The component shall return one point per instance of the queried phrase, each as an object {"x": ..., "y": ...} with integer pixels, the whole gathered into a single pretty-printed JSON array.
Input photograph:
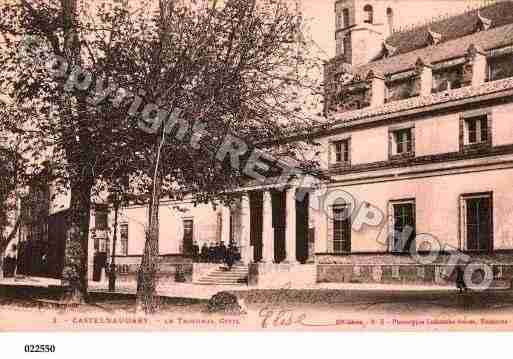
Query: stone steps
[{"x": 238, "y": 275}]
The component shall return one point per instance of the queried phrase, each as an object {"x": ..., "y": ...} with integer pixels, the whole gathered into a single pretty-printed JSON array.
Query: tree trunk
[
  {"x": 147, "y": 300},
  {"x": 74, "y": 277},
  {"x": 4, "y": 243}
]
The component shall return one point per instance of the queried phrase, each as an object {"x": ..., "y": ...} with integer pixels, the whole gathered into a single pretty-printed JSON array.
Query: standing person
[
  {"x": 230, "y": 256},
  {"x": 211, "y": 253},
  {"x": 460, "y": 279},
  {"x": 195, "y": 251},
  {"x": 204, "y": 252},
  {"x": 217, "y": 257},
  {"x": 222, "y": 252},
  {"x": 10, "y": 262}
]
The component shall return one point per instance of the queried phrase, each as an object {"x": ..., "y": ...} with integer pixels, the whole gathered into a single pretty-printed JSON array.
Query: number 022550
[{"x": 39, "y": 348}]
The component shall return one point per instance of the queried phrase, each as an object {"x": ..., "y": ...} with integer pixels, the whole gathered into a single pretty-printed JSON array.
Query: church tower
[{"x": 361, "y": 26}]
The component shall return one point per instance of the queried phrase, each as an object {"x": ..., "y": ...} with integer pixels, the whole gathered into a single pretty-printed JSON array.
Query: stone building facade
[
  {"x": 429, "y": 146},
  {"x": 420, "y": 132},
  {"x": 417, "y": 156}
]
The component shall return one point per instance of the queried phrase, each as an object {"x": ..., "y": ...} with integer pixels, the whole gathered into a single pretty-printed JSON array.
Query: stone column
[
  {"x": 245, "y": 250},
  {"x": 321, "y": 222},
  {"x": 267, "y": 229},
  {"x": 225, "y": 224},
  {"x": 290, "y": 226}
]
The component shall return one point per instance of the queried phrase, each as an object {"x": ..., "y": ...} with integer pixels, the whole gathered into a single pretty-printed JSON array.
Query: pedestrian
[
  {"x": 195, "y": 251},
  {"x": 204, "y": 252},
  {"x": 10, "y": 262},
  {"x": 222, "y": 252},
  {"x": 460, "y": 279},
  {"x": 230, "y": 257},
  {"x": 217, "y": 252},
  {"x": 211, "y": 253}
]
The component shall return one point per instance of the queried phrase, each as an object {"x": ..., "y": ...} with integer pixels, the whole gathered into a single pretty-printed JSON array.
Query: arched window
[
  {"x": 345, "y": 16},
  {"x": 369, "y": 14},
  {"x": 390, "y": 19}
]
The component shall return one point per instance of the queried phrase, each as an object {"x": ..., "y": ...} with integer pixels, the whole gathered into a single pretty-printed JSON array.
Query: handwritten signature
[{"x": 279, "y": 318}]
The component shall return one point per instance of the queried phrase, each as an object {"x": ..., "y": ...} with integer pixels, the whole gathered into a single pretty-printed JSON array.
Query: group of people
[{"x": 216, "y": 253}]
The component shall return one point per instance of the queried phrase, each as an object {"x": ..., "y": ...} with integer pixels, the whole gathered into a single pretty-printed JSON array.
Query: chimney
[
  {"x": 376, "y": 82},
  {"x": 424, "y": 81}
]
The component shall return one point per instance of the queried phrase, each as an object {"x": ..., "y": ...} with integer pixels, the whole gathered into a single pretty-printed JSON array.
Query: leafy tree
[
  {"x": 226, "y": 79},
  {"x": 178, "y": 96}
]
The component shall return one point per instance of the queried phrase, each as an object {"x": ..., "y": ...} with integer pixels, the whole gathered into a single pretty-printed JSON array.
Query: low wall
[
  {"x": 271, "y": 275},
  {"x": 171, "y": 269},
  {"x": 396, "y": 269}
]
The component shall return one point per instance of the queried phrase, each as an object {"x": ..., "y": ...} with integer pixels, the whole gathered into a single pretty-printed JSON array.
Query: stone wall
[
  {"x": 172, "y": 269},
  {"x": 401, "y": 269},
  {"x": 270, "y": 275}
]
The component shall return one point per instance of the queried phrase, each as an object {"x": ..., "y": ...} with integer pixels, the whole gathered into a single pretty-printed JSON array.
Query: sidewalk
[{"x": 189, "y": 290}]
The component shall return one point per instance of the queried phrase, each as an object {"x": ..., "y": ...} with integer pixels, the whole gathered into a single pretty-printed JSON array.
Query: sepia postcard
[{"x": 256, "y": 165}]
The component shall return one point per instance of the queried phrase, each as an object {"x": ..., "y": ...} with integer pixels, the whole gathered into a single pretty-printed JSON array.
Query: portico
[{"x": 270, "y": 225}]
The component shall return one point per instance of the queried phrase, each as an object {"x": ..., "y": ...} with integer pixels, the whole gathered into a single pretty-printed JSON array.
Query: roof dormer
[
  {"x": 483, "y": 23},
  {"x": 389, "y": 50},
  {"x": 434, "y": 37}
]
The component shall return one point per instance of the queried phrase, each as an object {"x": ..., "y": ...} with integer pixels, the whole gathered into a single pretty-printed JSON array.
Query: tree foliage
[{"x": 236, "y": 70}]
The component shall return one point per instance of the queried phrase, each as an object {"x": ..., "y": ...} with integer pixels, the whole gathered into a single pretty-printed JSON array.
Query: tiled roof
[
  {"x": 458, "y": 33},
  {"x": 452, "y": 28},
  {"x": 486, "y": 40},
  {"x": 488, "y": 88}
]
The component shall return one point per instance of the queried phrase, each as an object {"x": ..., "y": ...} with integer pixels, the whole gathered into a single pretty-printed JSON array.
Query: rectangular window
[
  {"x": 345, "y": 13},
  {"x": 477, "y": 222},
  {"x": 341, "y": 152},
  {"x": 403, "y": 226},
  {"x": 101, "y": 218},
  {"x": 339, "y": 23},
  {"x": 402, "y": 142},
  {"x": 188, "y": 228},
  {"x": 476, "y": 130},
  {"x": 500, "y": 67},
  {"x": 341, "y": 229},
  {"x": 400, "y": 89},
  {"x": 123, "y": 236}
]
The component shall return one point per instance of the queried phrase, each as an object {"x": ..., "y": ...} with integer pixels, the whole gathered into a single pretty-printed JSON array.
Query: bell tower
[{"x": 361, "y": 26}]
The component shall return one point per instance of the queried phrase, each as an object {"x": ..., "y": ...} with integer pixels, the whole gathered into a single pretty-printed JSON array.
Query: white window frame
[
  {"x": 479, "y": 128},
  {"x": 332, "y": 160},
  {"x": 395, "y": 142}
]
